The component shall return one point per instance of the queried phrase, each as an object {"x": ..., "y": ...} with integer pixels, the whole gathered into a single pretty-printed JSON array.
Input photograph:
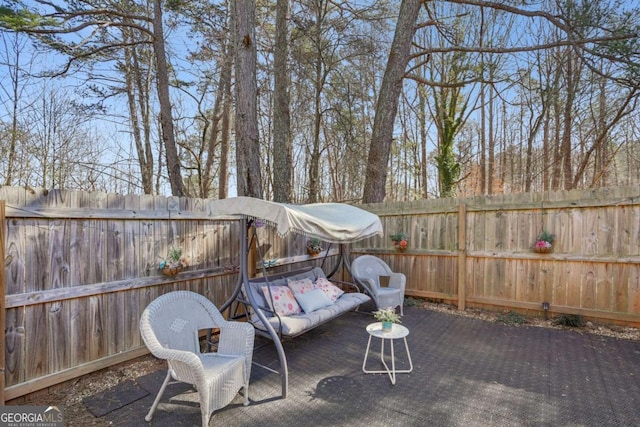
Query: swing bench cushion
[{"x": 315, "y": 310}]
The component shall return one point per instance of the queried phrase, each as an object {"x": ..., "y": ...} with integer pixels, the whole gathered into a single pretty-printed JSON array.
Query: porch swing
[{"x": 334, "y": 223}]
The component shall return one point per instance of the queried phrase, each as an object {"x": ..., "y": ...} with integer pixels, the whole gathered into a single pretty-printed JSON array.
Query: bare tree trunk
[
  {"x": 422, "y": 116},
  {"x": 320, "y": 76},
  {"x": 528, "y": 161},
  {"x": 217, "y": 117},
  {"x": 282, "y": 150},
  {"x": 556, "y": 165},
  {"x": 139, "y": 114},
  {"x": 15, "y": 98},
  {"x": 483, "y": 117},
  {"x": 166, "y": 119},
  {"x": 601, "y": 147},
  {"x": 387, "y": 106},
  {"x": 491, "y": 140},
  {"x": 534, "y": 126},
  {"x": 314, "y": 159},
  {"x": 225, "y": 143},
  {"x": 247, "y": 144},
  {"x": 502, "y": 167},
  {"x": 567, "y": 121},
  {"x": 552, "y": 128},
  {"x": 483, "y": 141},
  {"x": 546, "y": 163},
  {"x": 158, "y": 177}
]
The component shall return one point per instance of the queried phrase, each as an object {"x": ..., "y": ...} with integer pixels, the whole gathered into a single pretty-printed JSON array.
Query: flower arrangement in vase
[
  {"x": 544, "y": 243},
  {"x": 314, "y": 246},
  {"x": 399, "y": 240},
  {"x": 387, "y": 316},
  {"x": 174, "y": 263}
]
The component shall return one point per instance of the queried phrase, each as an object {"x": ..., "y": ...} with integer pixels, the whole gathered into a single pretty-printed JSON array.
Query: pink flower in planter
[{"x": 542, "y": 244}]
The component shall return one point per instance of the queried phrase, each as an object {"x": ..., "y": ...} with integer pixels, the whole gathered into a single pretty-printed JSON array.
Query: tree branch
[{"x": 519, "y": 49}]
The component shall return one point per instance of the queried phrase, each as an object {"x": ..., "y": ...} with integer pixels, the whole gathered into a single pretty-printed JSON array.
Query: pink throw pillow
[
  {"x": 332, "y": 291},
  {"x": 301, "y": 286},
  {"x": 284, "y": 303}
]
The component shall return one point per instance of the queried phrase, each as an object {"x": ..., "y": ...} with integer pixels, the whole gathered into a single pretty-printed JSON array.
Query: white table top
[{"x": 397, "y": 331}]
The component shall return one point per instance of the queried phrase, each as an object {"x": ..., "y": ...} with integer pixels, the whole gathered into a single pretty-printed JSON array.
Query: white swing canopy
[{"x": 330, "y": 222}]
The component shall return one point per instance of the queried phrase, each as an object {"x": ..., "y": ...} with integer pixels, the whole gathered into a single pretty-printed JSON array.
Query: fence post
[
  {"x": 3, "y": 224},
  {"x": 462, "y": 255}
]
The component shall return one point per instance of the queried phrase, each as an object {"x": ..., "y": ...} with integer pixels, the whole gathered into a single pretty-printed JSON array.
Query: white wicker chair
[
  {"x": 169, "y": 327},
  {"x": 367, "y": 269}
]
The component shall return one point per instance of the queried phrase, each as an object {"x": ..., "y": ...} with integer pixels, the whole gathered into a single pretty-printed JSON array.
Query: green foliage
[
  {"x": 314, "y": 245},
  {"x": 174, "y": 254},
  {"x": 449, "y": 169},
  {"x": 413, "y": 302},
  {"x": 23, "y": 19},
  {"x": 511, "y": 318},
  {"x": 545, "y": 236},
  {"x": 619, "y": 30},
  {"x": 396, "y": 237},
  {"x": 451, "y": 107},
  {"x": 570, "y": 320},
  {"x": 387, "y": 315}
]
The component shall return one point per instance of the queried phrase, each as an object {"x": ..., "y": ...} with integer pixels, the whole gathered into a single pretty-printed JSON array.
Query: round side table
[{"x": 397, "y": 332}]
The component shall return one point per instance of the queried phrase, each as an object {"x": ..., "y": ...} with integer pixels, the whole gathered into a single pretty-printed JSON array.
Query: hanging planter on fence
[
  {"x": 543, "y": 250},
  {"x": 171, "y": 271},
  {"x": 544, "y": 243},
  {"x": 400, "y": 241},
  {"x": 314, "y": 246},
  {"x": 174, "y": 263}
]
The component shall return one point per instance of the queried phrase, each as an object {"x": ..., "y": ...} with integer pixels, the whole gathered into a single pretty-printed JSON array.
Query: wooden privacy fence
[
  {"x": 478, "y": 251},
  {"x": 81, "y": 267}
]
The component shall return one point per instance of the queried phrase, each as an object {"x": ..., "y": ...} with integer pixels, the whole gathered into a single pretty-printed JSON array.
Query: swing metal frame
[{"x": 342, "y": 236}]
